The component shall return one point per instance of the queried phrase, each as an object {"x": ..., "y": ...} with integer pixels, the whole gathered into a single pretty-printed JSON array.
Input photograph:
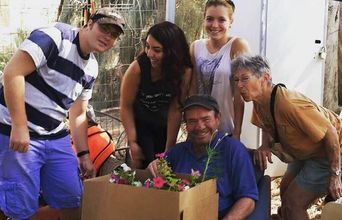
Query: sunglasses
[{"x": 109, "y": 29}]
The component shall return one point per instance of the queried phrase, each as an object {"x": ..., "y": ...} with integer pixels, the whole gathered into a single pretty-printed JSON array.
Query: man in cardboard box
[{"x": 231, "y": 163}]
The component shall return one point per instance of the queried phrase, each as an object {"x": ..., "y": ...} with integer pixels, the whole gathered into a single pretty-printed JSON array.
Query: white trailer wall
[{"x": 291, "y": 34}]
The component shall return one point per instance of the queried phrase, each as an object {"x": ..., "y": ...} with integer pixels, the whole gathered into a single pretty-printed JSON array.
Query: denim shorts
[
  {"x": 312, "y": 174},
  {"x": 49, "y": 167}
]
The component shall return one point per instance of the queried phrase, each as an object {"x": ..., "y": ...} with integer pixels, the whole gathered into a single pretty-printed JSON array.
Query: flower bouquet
[
  {"x": 166, "y": 180},
  {"x": 188, "y": 197}
]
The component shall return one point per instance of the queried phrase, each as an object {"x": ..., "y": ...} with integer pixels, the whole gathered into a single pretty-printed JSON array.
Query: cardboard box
[
  {"x": 332, "y": 211},
  {"x": 103, "y": 200}
]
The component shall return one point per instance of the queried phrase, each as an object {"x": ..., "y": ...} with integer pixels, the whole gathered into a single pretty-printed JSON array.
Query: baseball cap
[
  {"x": 205, "y": 101},
  {"x": 109, "y": 15}
]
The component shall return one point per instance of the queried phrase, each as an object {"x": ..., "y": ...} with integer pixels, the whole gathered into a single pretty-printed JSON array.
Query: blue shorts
[
  {"x": 311, "y": 174},
  {"x": 49, "y": 167}
]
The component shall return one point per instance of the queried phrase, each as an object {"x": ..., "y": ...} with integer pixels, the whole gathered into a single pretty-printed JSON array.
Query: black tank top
[{"x": 153, "y": 98}]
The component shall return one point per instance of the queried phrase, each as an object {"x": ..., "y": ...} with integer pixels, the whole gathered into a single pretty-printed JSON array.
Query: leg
[
  {"x": 292, "y": 170},
  {"x": 61, "y": 185},
  {"x": 20, "y": 179},
  {"x": 309, "y": 184},
  {"x": 71, "y": 214},
  {"x": 145, "y": 141},
  {"x": 160, "y": 135},
  {"x": 46, "y": 213},
  {"x": 295, "y": 201}
]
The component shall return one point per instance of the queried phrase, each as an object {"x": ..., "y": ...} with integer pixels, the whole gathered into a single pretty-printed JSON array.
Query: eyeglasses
[
  {"x": 243, "y": 79},
  {"x": 109, "y": 29}
]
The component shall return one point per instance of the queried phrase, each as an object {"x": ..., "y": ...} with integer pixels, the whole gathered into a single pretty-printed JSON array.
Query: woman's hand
[
  {"x": 136, "y": 155},
  {"x": 261, "y": 156},
  {"x": 152, "y": 167}
]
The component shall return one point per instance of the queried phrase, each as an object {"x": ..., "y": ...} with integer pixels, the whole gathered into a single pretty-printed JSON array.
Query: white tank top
[{"x": 213, "y": 78}]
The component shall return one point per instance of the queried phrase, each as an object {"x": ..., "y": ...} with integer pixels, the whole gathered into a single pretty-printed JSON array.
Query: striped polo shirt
[{"x": 62, "y": 75}]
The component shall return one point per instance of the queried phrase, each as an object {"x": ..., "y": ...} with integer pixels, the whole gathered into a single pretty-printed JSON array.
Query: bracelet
[{"x": 82, "y": 153}]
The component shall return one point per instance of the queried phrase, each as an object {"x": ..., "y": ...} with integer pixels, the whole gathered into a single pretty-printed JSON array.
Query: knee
[
  {"x": 17, "y": 201},
  {"x": 291, "y": 201}
]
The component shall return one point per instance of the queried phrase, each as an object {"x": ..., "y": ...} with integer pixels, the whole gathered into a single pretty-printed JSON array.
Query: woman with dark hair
[{"x": 152, "y": 90}]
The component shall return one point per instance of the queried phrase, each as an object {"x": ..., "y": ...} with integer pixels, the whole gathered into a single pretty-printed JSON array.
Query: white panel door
[
  {"x": 247, "y": 24},
  {"x": 295, "y": 35}
]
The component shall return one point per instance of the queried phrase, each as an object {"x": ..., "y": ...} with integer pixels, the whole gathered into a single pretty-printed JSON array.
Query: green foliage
[
  {"x": 212, "y": 154},
  {"x": 166, "y": 179},
  {"x": 189, "y": 17},
  {"x": 21, "y": 36},
  {"x": 5, "y": 55},
  {"x": 8, "y": 51},
  {"x": 171, "y": 181}
]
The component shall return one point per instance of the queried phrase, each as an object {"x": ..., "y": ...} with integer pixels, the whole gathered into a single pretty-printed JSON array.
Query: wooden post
[
  {"x": 340, "y": 59},
  {"x": 330, "y": 96}
]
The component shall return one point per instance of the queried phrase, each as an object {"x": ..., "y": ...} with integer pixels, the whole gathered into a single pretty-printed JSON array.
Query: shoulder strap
[
  {"x": 145, "y": 68},
  {"x": 273, "y": 94}
]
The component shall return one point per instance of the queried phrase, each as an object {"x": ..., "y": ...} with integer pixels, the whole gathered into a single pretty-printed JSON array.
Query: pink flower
[
  {"x": 161, "y": 155},
  {"x": 195, "y": 173},
  {"x": 123, "y": 181},
  {"x": 115, "y": 178},
  {"x": 147, "y": 183},
  {"x": 185, "y": 182},
  {"x": 180, "y": 187},
  {"x": 158, "y": 182}
]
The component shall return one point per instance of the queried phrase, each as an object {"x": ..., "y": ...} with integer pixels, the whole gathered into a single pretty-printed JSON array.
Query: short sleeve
[
  {"x": 243, "y": 177},
  {"x": 309, "y": 119},
  {"x": 42, "y": 45}
]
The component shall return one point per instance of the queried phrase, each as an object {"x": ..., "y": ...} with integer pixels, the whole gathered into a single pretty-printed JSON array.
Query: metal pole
[
  {"x": 263, "y": 37},
  {"x": 170, "y": 14}
]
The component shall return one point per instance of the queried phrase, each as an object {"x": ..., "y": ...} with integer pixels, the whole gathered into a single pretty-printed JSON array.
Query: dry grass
[{"x": 314, "y": 211}]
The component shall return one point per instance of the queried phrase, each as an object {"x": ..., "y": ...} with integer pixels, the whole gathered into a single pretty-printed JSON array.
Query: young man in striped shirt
[{"x": 51, "y": 74}]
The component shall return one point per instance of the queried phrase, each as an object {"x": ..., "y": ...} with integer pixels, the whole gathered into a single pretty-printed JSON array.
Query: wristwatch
[{"x": 336, "y": 172}]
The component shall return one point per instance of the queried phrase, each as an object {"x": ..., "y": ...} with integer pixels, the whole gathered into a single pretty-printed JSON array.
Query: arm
[
  {"x": 20, "y": 65},
  {"x": 243, "y": 182},
  {"x": 332, "y": 147},
  {"x": 175, "y": 114},
  {"x": 241, "y": 209},
  {"x": 128, "y": 92},
  {"x": 239, "y": 109},
  {"x": 263, "y": 153},
  {"x": 152, "y": 167},
  {"x": 173, "y": 123},
  {"x": 78, "y": 128},
  {"x": 193, "y": 82},
  {"x": 239, "y": 46}
]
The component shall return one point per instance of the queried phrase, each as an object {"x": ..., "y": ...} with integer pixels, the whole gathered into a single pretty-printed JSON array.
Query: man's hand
[
  {"x": 87, "y": 168},
  {"x": 152, "y": 167},
  {"x": 261, "y": 156},
  {"x": 19, "y": 139},
  {"x": 335, "y": 187},
  {"x": 136, "y": 155}
]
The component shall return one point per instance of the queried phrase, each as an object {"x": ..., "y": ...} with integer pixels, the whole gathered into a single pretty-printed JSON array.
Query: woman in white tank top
[{"x": 212, "y": 57}]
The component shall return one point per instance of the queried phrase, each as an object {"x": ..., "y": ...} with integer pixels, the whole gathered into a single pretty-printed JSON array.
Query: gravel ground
[{"x": 314, "y": 211}]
